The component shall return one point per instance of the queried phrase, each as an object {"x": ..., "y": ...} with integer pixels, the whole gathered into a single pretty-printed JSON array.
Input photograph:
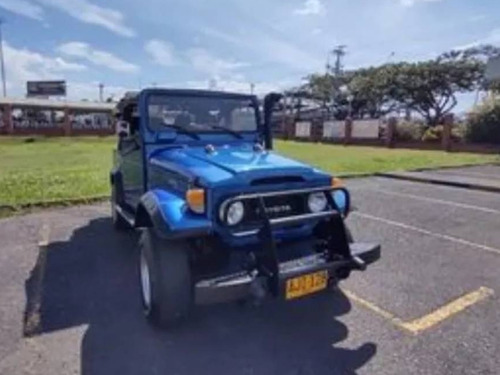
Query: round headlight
[
  {"x": 235, "y": 213},
  {"x": 317, "y": 202}
]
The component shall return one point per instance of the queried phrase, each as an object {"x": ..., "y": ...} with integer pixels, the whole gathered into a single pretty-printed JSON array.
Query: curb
[
  {"x": 430, "y": 180},
  {"x": 9, "y": 210},
  {"x": 493, "y": 163},
  {"x": 349, "y": 176}
]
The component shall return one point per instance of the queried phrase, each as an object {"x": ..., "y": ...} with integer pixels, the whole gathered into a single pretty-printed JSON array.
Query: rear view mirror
[{"x": 123, "y": 129}]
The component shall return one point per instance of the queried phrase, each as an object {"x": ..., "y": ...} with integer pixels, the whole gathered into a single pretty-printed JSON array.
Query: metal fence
[{"x": 374, "y": 132}]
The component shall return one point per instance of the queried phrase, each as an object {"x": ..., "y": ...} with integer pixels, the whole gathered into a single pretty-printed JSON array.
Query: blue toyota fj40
[{"x": 222, "y": 216}]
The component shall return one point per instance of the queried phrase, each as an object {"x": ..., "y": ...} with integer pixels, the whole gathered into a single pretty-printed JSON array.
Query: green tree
[
  {"x": 480, "y": 54},
  {"x": 430, "y": 87}
]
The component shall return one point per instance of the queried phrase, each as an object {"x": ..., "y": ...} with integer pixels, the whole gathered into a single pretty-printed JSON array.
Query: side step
[{"x": 129, "y": 218}]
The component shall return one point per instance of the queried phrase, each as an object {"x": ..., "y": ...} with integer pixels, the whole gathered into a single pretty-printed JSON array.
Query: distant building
[{"x": 58, "y": 118}]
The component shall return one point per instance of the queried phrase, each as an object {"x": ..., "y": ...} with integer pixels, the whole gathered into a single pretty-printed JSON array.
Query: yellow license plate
[{"x": 306, "y": 284}]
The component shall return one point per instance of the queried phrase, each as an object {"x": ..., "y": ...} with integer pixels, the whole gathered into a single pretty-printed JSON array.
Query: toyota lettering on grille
[{"x": 278, "y": 209}]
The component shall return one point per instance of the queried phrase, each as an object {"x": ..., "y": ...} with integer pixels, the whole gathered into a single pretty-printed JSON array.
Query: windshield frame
[{"x": 146, "y": 96}]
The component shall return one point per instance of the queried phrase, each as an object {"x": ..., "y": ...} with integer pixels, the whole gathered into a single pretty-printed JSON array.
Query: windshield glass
[{"x": 201, "y": 114}]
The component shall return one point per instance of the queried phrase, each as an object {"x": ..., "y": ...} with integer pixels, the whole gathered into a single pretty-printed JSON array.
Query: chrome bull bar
[{"x": 288, "y": 220}]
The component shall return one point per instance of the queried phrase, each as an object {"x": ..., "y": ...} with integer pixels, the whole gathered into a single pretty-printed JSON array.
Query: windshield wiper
[
  {"x": 182, "y": 130},
  {"x": 229, "y": 131}
]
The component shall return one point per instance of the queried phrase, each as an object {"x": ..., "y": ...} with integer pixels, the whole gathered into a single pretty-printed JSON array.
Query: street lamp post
[{"x": 2, "y": 63}]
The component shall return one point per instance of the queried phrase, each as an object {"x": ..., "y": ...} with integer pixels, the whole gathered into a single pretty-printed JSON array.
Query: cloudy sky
[{"x": 129, "y": 44}]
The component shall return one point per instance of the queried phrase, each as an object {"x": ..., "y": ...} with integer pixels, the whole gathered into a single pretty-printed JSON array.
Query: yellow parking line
[
  {"x": 448, "y": 310},
  {"x": 371, "y": 306},
  {"x": 430, "y": 320}
]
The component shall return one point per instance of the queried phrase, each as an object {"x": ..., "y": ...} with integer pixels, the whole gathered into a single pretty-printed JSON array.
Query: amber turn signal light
[
  {"x": 195, "y": 199},
  {"x": 337, "y": 182}
]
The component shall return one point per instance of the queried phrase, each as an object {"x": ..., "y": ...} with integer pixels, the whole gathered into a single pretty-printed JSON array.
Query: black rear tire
[{"x": 170, "y": 284}]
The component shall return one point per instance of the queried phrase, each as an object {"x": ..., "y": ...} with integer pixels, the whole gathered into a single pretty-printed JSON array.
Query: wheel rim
[{"x": 145, "y": 283}]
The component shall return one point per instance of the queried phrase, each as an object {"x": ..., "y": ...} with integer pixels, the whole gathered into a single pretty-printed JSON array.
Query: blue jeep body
[{"x": 197, "y": 167}]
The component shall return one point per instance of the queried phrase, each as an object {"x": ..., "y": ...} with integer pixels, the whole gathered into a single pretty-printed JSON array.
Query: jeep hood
[{"x": 232, "y": 162}]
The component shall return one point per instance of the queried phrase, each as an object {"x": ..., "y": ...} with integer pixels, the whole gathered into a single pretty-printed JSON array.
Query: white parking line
[
  {"x": 434, "y": 200},
  {"x": 427, "y": 232}
]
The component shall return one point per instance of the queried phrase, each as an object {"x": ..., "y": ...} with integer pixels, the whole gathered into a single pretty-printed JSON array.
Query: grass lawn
[{"x": 51, "y": 169}]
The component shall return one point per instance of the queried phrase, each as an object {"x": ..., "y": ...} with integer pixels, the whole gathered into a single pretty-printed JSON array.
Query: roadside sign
[{"x": 46, "y": 88}]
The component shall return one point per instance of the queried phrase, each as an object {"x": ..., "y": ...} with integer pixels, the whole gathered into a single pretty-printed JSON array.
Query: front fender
[{"x": 168, "y": 213}]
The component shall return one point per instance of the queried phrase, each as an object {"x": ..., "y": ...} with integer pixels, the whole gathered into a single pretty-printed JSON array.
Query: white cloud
[
  {"x": 213, "y": 33},
  {"x": 161, "y": 52},
  {"x": 101, "y": 58},
  {"x": 283, "y": 52},
  {"x": 409, "y": 3},
  {"x": 90, "y": 91},
  {"x": 492, "y": 38},
  {"x": 272, "y": 49},
  {"x": 23, "y": 65},
  {"x": 23, "y": 8},
  {"x": 241, "y": 85},
  {"x": 310, "y": 7},
  {"x": 203, "y": 61},
  {"x": 478, "y": 18},
  {"x": 90, "y": 13}
]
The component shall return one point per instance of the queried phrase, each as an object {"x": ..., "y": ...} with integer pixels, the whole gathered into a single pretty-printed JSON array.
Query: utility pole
[
  {"x": 101, "y": 92},
  {"x": 252, "y": 88},
  {"x": 2, "y": 63},
  {"x": 339, "y": 52}
]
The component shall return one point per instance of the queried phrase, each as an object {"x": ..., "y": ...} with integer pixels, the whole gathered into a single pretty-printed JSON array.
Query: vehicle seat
[{"x": 183, "y": 120}]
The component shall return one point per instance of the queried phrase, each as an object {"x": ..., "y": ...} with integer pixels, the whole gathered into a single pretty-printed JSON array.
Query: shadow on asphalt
[{"x": 92, "y": 280}]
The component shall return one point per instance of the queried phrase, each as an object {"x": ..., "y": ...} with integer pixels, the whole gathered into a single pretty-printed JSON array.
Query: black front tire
[
  {"x": 341, "y": 274},
  {"x": 169, "y": 276}
]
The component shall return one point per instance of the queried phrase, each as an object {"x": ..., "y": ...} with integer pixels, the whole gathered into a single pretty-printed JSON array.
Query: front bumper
[
  {"x": 244, "y": 284},
  {"x": 331, "y": 252}
]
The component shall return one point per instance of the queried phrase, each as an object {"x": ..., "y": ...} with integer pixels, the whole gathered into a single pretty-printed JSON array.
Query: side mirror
[
  {"x": 342, "y": 200},
  {"x": 269, "y": 101},
  {"x": 123, "y": 129}
]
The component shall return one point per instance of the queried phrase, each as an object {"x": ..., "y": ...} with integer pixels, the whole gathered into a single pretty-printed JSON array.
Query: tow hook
[{"x": 358, "y": 263}]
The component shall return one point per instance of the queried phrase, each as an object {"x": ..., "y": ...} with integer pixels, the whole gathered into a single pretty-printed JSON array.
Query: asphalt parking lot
[{"x": 70, "y": 300}]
